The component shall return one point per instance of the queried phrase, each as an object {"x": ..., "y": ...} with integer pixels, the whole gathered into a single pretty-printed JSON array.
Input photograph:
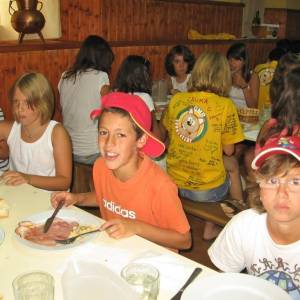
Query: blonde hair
[
  {"x": 211, "y": 73},
  {"x": 275, "y": 165},
  {"x": 38, "y": 92}
]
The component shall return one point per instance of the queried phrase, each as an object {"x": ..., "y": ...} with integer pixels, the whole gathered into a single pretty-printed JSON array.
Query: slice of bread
[{"x": 4, "y": 209}]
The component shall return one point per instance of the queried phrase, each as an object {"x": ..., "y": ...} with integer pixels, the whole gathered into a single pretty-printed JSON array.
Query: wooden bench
[
  {"x": 82, "y": 178},
  {"x": 208, "y": 211}
]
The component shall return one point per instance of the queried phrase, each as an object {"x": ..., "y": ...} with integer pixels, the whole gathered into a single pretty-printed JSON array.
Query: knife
[
  {"x": 195, "y": 273},
  {"x": 50, "y": 220}
]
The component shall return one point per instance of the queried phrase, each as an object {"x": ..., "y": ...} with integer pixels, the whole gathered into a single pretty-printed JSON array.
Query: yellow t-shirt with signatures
[
  {"x": 198, "y": 124},
  {"x": 265, "y": 74}
]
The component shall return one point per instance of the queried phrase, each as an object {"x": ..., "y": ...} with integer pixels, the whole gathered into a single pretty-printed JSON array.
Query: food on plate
[
  {"x": 4, "y": 209},
  {"x": 59, "y": 230}
]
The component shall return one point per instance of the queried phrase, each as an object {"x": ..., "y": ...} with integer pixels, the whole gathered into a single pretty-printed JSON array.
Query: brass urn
[{"x": 27, "y": 18}]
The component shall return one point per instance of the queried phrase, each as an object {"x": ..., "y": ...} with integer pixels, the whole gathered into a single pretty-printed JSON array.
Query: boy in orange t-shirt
[{"x": 134, "y": 195}]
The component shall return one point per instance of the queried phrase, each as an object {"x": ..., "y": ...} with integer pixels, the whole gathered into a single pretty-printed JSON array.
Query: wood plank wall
[
  {"x": 53, "y": 62},
  {"x": 147, "y": 20},
  {"x": 288, "y": 19}
]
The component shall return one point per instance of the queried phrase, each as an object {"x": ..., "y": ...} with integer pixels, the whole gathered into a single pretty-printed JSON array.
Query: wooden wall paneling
[
  {"x": 293, "y": 24},
  {"x": 53, "y": 62},
  {"x": 288, "y": 19},
  {"x": 136, "y": 20},
  {"x": 277, "y": 16}
]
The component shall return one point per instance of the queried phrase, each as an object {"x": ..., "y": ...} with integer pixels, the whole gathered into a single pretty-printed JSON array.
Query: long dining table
[{"x": 17, "y": 257}]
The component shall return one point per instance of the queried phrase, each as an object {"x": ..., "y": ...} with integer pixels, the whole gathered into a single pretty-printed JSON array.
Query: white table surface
[{"x": 17, "y": 258}]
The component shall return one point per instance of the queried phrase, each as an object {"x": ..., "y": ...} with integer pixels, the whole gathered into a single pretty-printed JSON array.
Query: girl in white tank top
[{"x": 40, "y": 151}]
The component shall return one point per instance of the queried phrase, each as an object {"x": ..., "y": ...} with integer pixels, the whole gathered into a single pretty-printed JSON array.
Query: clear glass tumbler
[
  {"x": 34, "y": 286},
  {"x": 143, "y": 278}
]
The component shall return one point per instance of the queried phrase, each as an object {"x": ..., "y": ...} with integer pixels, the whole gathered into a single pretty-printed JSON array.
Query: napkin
[{"x": 173, "y": 271}]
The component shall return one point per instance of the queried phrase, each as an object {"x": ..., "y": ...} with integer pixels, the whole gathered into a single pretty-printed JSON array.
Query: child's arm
[
  {"x": 162, "y": 129},
  {"x": 228, "y": 149},
  {"x": 81, "y": 199},
  {"x": 155, "y": 126},
  {"x": 120, "y": 228},
  {"x": 5, "y": 128},
  {"x": 250, "y": 90},
  {"x": 105, "y": 89}
]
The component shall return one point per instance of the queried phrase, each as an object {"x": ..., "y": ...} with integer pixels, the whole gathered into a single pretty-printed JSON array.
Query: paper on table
[{"x": 173, "y": 272}]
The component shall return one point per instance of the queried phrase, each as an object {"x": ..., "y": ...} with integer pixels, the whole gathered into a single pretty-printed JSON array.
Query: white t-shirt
[
  {"x": 77, "y": 100},
  {"x": 31, "y": 158},
  {"x": 147, "y": 99},
  {"x": 180, "y": 86},
  {"x": 245, "y": 243}
]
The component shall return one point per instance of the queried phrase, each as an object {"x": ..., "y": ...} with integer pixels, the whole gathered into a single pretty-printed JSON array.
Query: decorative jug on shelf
[{"x": 27, "y": 18}]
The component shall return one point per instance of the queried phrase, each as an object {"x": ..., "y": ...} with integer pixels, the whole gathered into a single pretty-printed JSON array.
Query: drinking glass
[
  {"x": 265, "y": 114},
  {"x": 34, "y": 286},
  {"x": 143, "y": 278}
]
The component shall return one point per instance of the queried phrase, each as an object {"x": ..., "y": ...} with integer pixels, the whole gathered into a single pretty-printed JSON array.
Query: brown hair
[
  {"x": 211, "y": 73},
  {"x": 274, "y": 165},
  {"x": 116, "y": 110},
  {"x": 38, "y": 92}
]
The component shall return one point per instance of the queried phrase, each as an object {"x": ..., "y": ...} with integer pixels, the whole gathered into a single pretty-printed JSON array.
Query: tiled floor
[{"x": 199, "y": 250}]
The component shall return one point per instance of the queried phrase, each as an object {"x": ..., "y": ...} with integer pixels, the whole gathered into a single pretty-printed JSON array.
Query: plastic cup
[
  {"x": 34, "y": 286},
  {"x": 143, "y": 278}
]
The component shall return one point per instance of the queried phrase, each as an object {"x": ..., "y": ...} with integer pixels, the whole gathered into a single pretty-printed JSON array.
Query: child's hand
[
  {"x": 15, "y": 178},
  {"x": 119, "y": 228},
  {"x": 238, "y": 80},
  {"x": 68, "y": 198}
]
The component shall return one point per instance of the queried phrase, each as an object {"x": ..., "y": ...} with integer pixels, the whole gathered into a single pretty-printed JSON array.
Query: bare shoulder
[{"x": 59, "y": 131}]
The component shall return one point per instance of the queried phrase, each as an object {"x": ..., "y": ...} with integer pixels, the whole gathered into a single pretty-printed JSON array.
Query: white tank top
[
  {"x": 180, "y": 86},
  {"x": 237, "y": 96},
  {"x": 31, "y": 158}
]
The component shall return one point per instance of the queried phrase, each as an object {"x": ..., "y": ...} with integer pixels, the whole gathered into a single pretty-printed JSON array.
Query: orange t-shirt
[{"x": 149, "y": 196}]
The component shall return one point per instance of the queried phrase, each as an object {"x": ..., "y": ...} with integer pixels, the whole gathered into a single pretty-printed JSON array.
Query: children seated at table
[
  {"x": 285, "y": 97},
  {"x": 179, "y": 63},
  {"x": 134, "y": 76},
  {"x": 3, "y": 150},
  {"x": 245, "y": 85},
  {"x": 134, "y": 195},
  {"x": 266, "y": 239},
  {"x": 202, "y": 125},
  {"x": 80, "y": 89},
  {"x": 39, "y": 148}
]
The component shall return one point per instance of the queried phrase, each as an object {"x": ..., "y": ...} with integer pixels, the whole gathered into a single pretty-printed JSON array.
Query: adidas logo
[{"x": 125, "y": 213}]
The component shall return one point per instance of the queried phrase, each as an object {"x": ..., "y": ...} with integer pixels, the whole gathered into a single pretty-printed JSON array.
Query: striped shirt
[{"x": 3, "y": 163}]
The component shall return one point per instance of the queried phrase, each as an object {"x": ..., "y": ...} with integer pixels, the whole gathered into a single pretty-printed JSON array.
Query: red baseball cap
[
  {"x": 139, "y": 113},
  {"x": 281, "y": 145}
]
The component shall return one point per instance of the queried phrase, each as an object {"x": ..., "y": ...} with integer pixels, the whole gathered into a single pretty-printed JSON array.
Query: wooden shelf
[{"x": 37, "y": 45}]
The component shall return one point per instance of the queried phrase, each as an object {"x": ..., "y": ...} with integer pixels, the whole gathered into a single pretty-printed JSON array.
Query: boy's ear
[{"x": 142, "y": 141}]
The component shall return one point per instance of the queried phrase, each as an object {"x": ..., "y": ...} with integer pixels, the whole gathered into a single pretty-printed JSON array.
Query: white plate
[
  {"x": 2, "y": 235},
  {"x": 69, "y": 215},
  {"x": 234, "y": 286},
  {"x": 91, "y": 280}
]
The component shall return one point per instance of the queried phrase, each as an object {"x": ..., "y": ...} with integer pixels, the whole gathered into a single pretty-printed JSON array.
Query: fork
[{"x": 73, "y": 238}]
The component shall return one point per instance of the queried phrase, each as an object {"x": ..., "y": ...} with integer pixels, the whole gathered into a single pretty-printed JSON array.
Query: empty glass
[
  {"x": 143, "y": 278},
  {"x": 34, "y": 286},
  {"x": 160, "y": 91}
]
